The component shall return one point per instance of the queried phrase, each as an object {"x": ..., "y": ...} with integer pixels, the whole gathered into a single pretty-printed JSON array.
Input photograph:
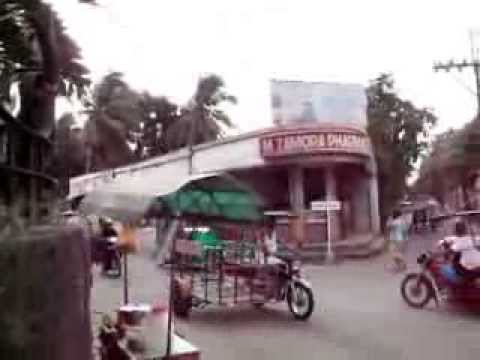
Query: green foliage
[
  {"x": 202, "y": 120},
  {"x": 114, "y": 118},
  {"x": 124, "y": 126},
  {"x": 159, "y": 114},
  {"x": 398, "y": 131},
  {"x": 25, "y": 33},
  {"x": 454, "y": 156}
]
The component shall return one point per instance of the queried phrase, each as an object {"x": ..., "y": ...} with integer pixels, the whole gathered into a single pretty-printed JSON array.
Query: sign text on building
[{"x": 313, "y": 142}]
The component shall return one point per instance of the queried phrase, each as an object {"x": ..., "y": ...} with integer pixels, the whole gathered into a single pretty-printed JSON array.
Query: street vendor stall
[{"x": 203, "y": 196}]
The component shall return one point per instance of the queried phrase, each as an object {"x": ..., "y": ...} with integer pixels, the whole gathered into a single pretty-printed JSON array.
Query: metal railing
[{"x": 25, "y": 187}]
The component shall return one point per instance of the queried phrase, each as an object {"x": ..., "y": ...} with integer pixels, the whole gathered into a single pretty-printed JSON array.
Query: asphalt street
[{"x": 359, "y": 314}]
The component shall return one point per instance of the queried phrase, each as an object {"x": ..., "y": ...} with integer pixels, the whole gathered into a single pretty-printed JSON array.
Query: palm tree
[
  {"x": 36, "y": 53},
  {"x": 113, "y": 125},
  {"x": 202, "y": 120},
  {"x": 159, "y": 114}
]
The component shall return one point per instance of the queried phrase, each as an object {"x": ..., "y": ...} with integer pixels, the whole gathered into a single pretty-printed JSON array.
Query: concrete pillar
[
  {"x": 45, "y": 295},
  {"x": 295, "y": 188},
  {"x": 373, "y": 194},
  {"x": 297, "y": 203},
  {"x": 361, "y": 203},
  {"x": 330, "y": 183},
  {"x": 331, "y": 192}
]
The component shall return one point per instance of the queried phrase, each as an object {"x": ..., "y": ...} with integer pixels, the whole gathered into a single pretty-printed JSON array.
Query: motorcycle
[
  {"x": 429, "y": 284},
  {"x": 294, "y": 288},
  {"x": 106, "y": 253},
  {"x": 112, "y": 263}
]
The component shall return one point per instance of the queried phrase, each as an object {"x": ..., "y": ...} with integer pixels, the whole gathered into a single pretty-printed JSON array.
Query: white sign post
[{"x": 328, "y": 206}]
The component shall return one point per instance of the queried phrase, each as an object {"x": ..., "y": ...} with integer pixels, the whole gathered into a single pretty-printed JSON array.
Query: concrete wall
[
  {"x": 244, "y": 153},
  {"x": 45, "y": 295}
]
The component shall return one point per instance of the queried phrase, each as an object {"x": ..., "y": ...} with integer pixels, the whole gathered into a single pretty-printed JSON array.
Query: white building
[{"x": 291, "y": 165}]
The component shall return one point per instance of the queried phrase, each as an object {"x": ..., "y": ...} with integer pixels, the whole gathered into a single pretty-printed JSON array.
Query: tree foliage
[
  {"x": 159, "y": 114},
  {"x": 114, "y": 118},
  {"x": 398, "y": 131},
  {"x": 34, "y": 41},
  {"x": 452, "y": 161},
  {"x": 202, "y": 120},
  {"x": 124, "y": 125},
  {"x": 36, "y": 54}
]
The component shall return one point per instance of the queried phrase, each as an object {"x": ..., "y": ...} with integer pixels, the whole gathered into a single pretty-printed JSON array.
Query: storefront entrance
[{"x": 289, "y": 190}]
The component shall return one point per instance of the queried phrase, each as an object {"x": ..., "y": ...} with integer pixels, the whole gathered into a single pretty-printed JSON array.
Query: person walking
[{"x": 397, "y": 230}]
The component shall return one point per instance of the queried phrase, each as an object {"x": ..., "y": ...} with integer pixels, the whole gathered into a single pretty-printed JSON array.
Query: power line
[{"x": 473, "y": 64}]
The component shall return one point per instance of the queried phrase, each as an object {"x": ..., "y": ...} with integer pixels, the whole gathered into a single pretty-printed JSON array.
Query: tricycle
[{"x": 228, "y": 277}]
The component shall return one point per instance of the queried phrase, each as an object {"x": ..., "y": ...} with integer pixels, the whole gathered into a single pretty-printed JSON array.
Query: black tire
[
  {"x": 422, "y": 290},
  {"x": 307, "y": 297}
]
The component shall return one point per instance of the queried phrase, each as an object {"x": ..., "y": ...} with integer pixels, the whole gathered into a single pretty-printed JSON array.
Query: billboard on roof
[{"x": 296, "y": 102}]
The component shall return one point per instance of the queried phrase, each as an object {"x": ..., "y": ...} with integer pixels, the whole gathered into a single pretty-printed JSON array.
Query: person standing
[{"x": 397, "y": 230}]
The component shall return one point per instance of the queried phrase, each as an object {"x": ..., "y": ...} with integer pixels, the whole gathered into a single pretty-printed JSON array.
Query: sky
[{"x": 166, "y": 46}]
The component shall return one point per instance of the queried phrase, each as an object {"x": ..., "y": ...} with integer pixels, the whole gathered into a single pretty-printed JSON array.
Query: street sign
[{"x": 332, "y": 205}]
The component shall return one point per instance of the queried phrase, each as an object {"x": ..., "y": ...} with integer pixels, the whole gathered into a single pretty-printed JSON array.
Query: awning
[{"x": 213, "y": 195}]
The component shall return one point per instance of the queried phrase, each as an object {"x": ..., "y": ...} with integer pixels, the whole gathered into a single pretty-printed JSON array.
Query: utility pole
[{"x": 474, "y": 64}]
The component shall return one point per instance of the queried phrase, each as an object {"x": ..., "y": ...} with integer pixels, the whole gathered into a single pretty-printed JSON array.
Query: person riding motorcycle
[
  {"x": 464, "y": 257},
  {"x": 108, "y": 236}
]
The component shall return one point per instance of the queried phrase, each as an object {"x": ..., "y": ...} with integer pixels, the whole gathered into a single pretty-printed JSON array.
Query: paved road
[{"x": 359, "y": 315}]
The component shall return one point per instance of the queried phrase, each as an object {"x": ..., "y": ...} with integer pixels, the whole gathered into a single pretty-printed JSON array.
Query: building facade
[{"x": 292, "y": 165}]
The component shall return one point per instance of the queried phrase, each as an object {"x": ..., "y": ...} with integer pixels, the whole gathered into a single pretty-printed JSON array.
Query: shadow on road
[{"x": 243, "y": 315}]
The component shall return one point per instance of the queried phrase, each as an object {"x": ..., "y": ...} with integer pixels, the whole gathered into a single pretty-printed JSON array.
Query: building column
[
  {"x": 330, "y": 184},
  {"x": 331, "y": 194},
  {"x": 296, "y": 226},
  {"x": 373, "y": 197},
  {"x": 295, "y": 188}
]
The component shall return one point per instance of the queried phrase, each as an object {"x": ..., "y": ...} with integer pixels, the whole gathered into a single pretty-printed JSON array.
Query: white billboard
[{"x": 313, "y": 102}]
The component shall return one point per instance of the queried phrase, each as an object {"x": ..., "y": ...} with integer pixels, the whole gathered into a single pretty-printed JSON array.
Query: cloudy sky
[{"x": 165, "y": 46}]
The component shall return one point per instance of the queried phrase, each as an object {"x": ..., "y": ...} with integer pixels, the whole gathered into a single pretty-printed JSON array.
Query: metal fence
[{"x": 25, "y": 187}]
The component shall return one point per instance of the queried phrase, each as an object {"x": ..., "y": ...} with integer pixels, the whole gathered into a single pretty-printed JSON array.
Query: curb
[{"x": 375, "y": 247}]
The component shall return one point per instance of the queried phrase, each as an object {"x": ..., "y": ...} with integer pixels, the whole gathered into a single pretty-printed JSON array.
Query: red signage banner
[{"x": 311, "y": 142}]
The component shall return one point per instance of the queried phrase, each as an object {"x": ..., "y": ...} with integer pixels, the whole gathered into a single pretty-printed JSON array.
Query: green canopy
[
  {"x": 211, "y": 196},
  {"x": 229, "y": 205}
]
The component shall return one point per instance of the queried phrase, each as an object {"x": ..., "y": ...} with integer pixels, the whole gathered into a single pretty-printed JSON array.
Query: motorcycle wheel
[
  {"x": 300, "y": 301},
  {"x": 416, "y": 290}
]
